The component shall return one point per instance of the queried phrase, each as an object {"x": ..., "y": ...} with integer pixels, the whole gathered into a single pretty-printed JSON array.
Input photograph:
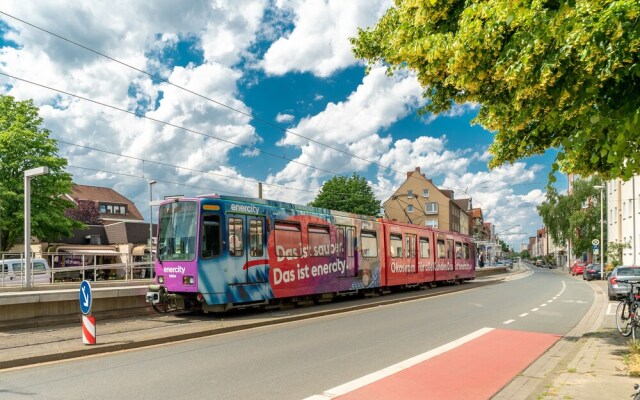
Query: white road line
[
  {"x": 610, "y": 310},
  {"x": 534, "y": 309},
  {"x": 508, "y": 321},
  {"x": 543, "y": 305},
  {"x": 550, "y": 301},
  {"x": 523, "y": 315},
  {"x": 383, "y": 373}
]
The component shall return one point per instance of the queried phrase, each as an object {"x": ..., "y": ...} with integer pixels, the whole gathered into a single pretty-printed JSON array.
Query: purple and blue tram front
[{"x": 219, "y": 252}]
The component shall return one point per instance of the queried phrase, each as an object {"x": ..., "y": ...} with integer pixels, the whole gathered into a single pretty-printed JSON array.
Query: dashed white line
[
  {"x": 523, "y": 315},
  {"x": 543, "y": 305},
  {"x": 534, "y": 309},
  {"x": 508, "y": 321}
]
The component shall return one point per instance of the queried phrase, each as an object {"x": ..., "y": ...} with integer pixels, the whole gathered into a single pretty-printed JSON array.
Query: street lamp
[
  {"x": 151, "y": 183},
  {"x": 601, "y": 253},
  {"x": 28, "y": 174}
]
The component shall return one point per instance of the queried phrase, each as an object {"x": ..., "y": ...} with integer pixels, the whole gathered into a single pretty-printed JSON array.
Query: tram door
[{"x": 247, "y": 247}]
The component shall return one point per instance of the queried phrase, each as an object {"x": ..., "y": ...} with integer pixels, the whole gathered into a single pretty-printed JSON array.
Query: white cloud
[
  {"x": 319, "y": 42},
  {"x": 284, "y": 117}
]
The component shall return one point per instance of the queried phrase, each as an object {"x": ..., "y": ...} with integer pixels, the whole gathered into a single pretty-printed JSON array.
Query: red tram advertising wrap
[{"x": 219, "y": 252}]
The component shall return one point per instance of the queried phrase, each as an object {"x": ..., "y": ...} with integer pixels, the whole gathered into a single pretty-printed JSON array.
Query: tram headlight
[
  {"x": 188, "y": 280},
  {"x": 161, "y": 279}
]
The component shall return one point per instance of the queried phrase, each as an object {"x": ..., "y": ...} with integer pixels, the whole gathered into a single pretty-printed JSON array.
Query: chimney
[{"x": 411, "y": 172}]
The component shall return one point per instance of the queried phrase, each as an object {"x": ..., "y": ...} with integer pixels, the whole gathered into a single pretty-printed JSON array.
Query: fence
[{"x": 73, "y": 267}]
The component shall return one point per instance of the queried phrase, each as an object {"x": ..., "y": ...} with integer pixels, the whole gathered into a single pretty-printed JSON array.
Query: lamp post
[
  {"x": 601, "y": 253},
  {"x": 28, "y": 174},
  {"x": 151, "y": 183}
]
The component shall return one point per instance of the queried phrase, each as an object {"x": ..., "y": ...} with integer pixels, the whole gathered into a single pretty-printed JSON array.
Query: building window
[
  {"x": 410, "y": 208},
  {"x": 112, "y": 209},
  {"x": 431, "y": 208},
  {"x": 425, "y": 192},
  {"x": 409, "y": 194}
]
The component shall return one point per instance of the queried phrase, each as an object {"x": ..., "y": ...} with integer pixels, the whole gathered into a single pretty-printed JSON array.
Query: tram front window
[{"x": 177, "y": 231}]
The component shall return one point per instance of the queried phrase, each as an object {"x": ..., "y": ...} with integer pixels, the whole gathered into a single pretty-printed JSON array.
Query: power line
[
  {"x": 219, "y": 103},
  {"x": 158, "y": 78}
]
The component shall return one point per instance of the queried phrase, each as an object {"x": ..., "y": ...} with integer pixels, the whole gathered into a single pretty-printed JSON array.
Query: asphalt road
[{"x": 299, "y": 359}]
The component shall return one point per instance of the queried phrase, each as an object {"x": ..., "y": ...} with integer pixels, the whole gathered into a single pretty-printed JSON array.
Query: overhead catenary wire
[{"x": 158, "y": 78}]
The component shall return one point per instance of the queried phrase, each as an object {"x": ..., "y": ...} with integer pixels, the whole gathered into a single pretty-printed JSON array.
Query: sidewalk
[{"x": 586, "y": 364}]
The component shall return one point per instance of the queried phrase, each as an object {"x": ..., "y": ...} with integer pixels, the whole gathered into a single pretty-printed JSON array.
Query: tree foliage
[
  {"x": 575, "y": 216},
  {"x": 350, "y": 194},
  {"x": 84, "y": 211},
  {"x": 546, "y": 73},
  {"x": 25, "y": 144}
]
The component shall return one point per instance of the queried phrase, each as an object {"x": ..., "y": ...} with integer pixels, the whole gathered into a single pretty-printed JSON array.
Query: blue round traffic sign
[{"x": 85, "y": 297}]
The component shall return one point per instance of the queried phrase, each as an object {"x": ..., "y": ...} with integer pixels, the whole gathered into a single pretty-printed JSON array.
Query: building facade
[
  {"x": 622, "y": 217},
  {"x": 418, "y": 201}
]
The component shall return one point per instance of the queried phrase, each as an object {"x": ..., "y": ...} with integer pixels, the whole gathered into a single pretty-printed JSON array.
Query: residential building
[
  {"x": 621, "y": 217},
  {"x": 121, "y": 235},
  {"x": 477, "y": 225},
  {"x": 419, "y": 201}
]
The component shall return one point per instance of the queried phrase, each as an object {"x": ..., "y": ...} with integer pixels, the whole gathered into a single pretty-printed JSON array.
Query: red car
[{"x": 578, "y": 268}]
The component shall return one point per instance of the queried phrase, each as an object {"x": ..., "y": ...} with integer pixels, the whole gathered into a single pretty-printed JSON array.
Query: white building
[{"x": 623, "y": 217}]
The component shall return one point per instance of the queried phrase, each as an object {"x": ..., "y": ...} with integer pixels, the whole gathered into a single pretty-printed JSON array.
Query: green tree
[
  {"x": 351, "y": 194},
  {"x": 25, "y": 144},
  {"x": 575, "y": 216},
  {"x": 615, "y": 254},
  {"x": 547, "y": 74}
]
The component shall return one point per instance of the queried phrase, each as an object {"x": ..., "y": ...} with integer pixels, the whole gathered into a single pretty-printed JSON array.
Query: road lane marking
[
  {"x": 383, "y": 373},
  {"x": 523, "y": 315},
  {"x": 534, "y": 309},
  {"x": 508, "y": 321}
]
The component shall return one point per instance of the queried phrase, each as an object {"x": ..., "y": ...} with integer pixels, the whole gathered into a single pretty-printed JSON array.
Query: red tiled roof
[{"x": 109, "y": 196}]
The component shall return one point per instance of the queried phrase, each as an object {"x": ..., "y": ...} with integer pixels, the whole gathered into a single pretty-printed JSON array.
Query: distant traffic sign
[{"x": 85, "y": 297}]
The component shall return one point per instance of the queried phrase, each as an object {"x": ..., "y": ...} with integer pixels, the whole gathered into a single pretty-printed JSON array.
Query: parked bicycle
[{"x": 627, "y": 312}]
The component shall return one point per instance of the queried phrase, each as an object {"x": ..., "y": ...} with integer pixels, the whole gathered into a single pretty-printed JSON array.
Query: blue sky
[{"x": 273, "y": 94}]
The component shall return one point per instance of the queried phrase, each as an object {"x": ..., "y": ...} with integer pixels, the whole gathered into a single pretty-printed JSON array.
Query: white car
[{"x": 12, "y": 271}]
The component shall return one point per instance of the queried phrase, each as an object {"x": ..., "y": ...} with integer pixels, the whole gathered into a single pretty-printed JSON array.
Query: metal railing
[{"x": 57, "y": 273}]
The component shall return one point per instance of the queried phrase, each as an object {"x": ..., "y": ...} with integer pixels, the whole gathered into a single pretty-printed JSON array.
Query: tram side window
[
  {"x": 288, "y": 239},
  {"x": 369, "y": 244},
  {"x": 449, "y": 249},
  {"x": 441, "y": 252},
  {"x": 459, "y": 253},
  {"x": 395, "y": 245},
  {"x": 210, "y": 241},
  {"x": 319, "y": 240},
  {"x": 465, "y": 249},
  {"x": 425, "y": 248},
  {"x": 256, "y": 238},
  {"x": 236, "y": 233},
  {"x": 410, "y": 245}
]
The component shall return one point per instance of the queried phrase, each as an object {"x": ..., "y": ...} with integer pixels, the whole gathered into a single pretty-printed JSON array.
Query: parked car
[
  {"x": 591, "y": 271},
  {"x": 11, "y": 271},
  {"x": 578, "y": 268},
  {"x": 615, "y": 288}
]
